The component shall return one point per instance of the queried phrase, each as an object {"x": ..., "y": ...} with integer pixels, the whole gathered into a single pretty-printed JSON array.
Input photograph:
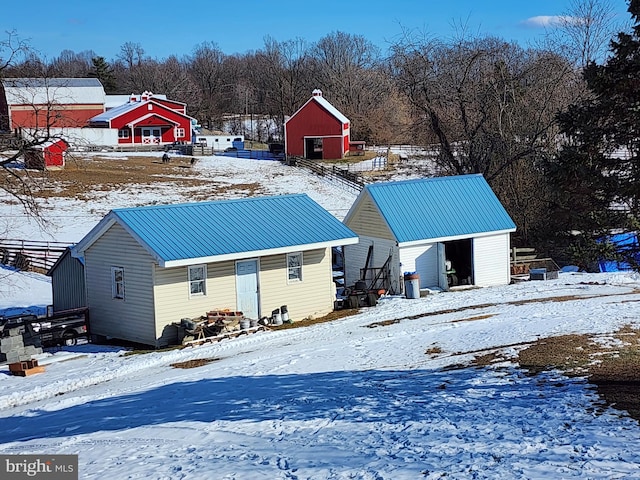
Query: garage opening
[
  {"x": 459, "y": 266},
  {"x": 313, "y": 148}
]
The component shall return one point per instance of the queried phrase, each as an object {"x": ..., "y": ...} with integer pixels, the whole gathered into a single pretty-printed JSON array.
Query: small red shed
[
  {"x": 317, "y": 130},
  {"x": 48, "y": 155}
]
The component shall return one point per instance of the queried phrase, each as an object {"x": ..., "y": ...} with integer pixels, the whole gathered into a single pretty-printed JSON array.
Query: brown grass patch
[
  {"x": 435, "y": 350},
  {"x": 383, "y": 323},
  {"x": 487, "y": 359},
  {"x": 473, "y": 319},
  {"x": 610, "y": 362},
  {"x": 82, "y": 178},
  {"x": 197, "y": 362},
  {"x": 335, "y": 315}
]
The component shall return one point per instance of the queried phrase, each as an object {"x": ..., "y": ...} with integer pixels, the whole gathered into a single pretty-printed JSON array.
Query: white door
[
  {"x": 151, "y": 135},
  {"x": 247, "y": 288}
]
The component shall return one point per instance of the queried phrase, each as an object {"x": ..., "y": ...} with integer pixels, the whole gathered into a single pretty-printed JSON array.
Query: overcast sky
[{"x": 164, "y": 28}]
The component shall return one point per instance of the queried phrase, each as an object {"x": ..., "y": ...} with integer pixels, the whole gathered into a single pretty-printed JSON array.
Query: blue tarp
[{"x": 621, "y": 241}]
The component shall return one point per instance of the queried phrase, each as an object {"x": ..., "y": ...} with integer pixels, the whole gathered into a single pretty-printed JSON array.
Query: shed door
[{"x": 247, "y": 288}]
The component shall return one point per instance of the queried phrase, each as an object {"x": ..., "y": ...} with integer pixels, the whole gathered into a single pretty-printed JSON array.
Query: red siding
[
  {"x": 177, "y": 106},
  {"x": 54, "y": 154},
  {"x": 41, "y": 116},
  {"x": 332, "y": 148},
  {"x": 158, "y": 110}
]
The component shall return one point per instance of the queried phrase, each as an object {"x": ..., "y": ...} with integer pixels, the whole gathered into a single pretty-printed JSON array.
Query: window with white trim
[
  {"x": 294, "y": 267},
  {"x": 117, "y": 282},
  {"x": 198, "y": 280},
  {"x": 179, "y": 132},
  {"x": 123, "y": 133}
]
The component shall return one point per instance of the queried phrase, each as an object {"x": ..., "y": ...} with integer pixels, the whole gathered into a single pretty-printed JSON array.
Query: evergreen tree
[
  {"x": 103, "y": 72},
  {"x": 595, "y": 178}
]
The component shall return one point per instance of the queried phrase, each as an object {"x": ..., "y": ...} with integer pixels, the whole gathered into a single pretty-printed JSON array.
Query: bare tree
[
  {"x": 12, "y": 50},
  {"x": 582, "y": 33},
  {"x": 131, "y": 54},
  {"x": 489, "y": 107},
  {"x": 285, "y": 79},
  {"x": 205, "y": 69},
  {"x": 70, "y": 64},
  {"x": 350, "y": 71},
  {"x": 15, "y": 183}
]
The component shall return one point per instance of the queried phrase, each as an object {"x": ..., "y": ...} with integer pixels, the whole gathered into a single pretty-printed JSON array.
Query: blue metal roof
[
  {"x": 439, "y": 207},
  {"x": 209, "y": 229}
]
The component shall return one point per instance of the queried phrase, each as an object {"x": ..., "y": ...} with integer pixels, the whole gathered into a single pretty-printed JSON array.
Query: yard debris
[{"x": 215, "y": 326}]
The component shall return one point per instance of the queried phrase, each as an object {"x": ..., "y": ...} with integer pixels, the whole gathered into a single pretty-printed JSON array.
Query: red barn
[
  {"x": 147, "y": 120},
  {"x": 39, "y": 103},
  {"x": 48, "y": 155},
  {"x": 317, "y": 130}
]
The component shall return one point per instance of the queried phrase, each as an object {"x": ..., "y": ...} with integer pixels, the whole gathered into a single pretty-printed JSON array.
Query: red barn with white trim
[
  {"x": 147, "y": 120},
  {"x": 317, "y": 130},
  {"x": 40, "y": 103}
]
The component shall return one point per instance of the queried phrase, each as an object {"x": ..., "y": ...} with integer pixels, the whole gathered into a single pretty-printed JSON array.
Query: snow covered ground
[{"x": 379, "y": 395}]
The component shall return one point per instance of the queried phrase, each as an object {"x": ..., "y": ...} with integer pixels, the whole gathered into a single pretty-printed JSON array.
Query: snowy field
[{"x": 379, "y": 395}]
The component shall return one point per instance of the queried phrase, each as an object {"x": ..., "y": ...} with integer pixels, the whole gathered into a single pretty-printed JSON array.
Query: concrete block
[
  {"x": 13, "y": 357},
  {"x": 32, "y": 350},
  {"x": 9, "y": 343},
  {"x": 16, "y": 331}
]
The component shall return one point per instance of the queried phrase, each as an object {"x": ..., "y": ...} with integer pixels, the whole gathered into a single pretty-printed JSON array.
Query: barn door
[
  {"x": 313, "y": 148},
  {"x": 151, "y": 135},
  {"x": 247, "y": 288}
]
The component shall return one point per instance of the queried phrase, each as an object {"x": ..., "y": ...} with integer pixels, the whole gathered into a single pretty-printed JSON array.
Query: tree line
[{"x": 530, "y": 119}]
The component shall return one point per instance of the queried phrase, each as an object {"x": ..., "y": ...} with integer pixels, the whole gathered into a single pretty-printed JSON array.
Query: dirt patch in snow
[
  {"x": 335, "y": 315},
  {"x": 83, "y": 178},
  {"x": 610, "y": 362},
  {"x": 196, "y": 362}
]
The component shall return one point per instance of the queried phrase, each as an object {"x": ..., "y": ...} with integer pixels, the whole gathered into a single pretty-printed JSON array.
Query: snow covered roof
[
  {"x": 115, "y": 112},
  {"x": 38, "y": 91},
  {"x": 181, "y": 234},
  {"x": 324, "y": 103},
  {"x": 112, "y": 101},
  {"x": 437, "y": 208}
]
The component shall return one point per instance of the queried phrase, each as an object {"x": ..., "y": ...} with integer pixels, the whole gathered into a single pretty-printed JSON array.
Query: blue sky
[{"x": 164, "y": 28}]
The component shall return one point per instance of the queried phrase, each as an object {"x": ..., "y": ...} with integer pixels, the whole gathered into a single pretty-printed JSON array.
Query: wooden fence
[
  {"x": 345, "y": 178},
  {"x": 38, "y": 256},
  {"x": 523, "y": 259}
]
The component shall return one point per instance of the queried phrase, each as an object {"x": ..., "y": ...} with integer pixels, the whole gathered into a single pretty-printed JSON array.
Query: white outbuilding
[{"x": 447, "y": 230}]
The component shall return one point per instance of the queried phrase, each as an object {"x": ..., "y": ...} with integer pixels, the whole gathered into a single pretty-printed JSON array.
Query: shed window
[
  {"x": 117, "y": 282},
  {"x": 123, "y": 133},
  {"x": 294, "y": 267},
  {"x": 179, "y": 132},
  {"x": 197, "y": 280}
]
